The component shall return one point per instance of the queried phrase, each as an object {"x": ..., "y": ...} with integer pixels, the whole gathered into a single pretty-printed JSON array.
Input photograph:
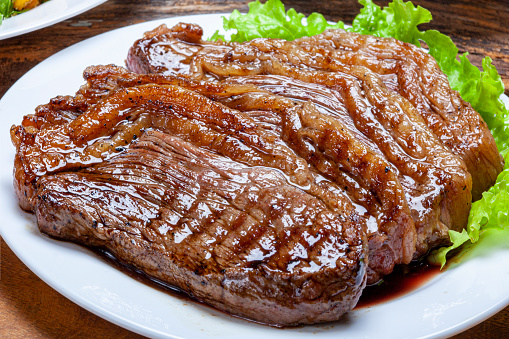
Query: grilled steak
[
  {"x": 195, "y": 194},
  {"x": 323, "y": 142},
  {"x": 435, "y": 181},
  {"x": 269, "y": 179}
]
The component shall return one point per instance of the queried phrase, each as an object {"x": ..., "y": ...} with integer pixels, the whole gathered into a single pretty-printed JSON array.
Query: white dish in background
[
  {"x": 447, "y": 304},
  {"x": 44, "y": 15}
]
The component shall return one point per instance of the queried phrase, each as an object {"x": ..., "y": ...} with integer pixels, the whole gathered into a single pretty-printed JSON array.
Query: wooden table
[{"x": 31, "y": 309}]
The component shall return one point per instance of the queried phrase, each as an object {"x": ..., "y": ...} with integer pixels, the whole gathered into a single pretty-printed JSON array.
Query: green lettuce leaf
[
  {"x": 399, "y": 20},
  {"x": 481, "y": 88},
  {"x": 6, "y": 9},
  {"x": 270, "y": 20},
  {"x": 487, "y": 215}
]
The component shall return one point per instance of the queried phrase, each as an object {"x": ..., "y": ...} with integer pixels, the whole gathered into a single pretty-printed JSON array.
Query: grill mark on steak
[
  {"x": 407, "y": 175},
  {"x": 273, "y": 253},
  {"x": 330, "y": 147}
]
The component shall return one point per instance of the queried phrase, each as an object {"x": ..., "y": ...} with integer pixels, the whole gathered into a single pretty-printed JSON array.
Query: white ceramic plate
[
  {"x": 44, "y": 15},
  {"x": 449, "y": 303}
]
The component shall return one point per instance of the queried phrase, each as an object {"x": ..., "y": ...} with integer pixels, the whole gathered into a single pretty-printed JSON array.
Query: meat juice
[
  {"x": 140, "y": 276},
  {"x": 404, "y": 279}
]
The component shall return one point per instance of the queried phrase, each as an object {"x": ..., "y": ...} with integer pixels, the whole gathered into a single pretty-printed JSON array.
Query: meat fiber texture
[
  {"x": 389, "y": 96},
  {"x": 361, "y": 173},
  {"x": 195, "y": 194}
]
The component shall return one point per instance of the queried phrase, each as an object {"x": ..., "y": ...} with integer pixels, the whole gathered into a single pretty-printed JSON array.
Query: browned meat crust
[
  {"x": 257, "y": 247},
  {"x": 323, "y": 142},
  {"x": 403, "y": 68},
  {"x": 436, "y": 182},
  {"x": 416, "y": 76},
  {"x": 203, "y": 199}
]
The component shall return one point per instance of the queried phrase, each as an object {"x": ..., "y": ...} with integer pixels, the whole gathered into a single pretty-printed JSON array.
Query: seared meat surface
[
  {"x": 270, "y": 179},
  {"x": 195, "y": 194},
  {"x": 326, "y": 144},
  {"x": 236, "y": 237},
  {"x": 434, "y": 180},
  {"x": 402, "y": 67},
  {"x": 415, "y": 75}
]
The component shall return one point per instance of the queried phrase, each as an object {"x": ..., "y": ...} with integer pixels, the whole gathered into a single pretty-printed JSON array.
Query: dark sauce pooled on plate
[
  {"x": 403, "y": 280},
  {"x": 141, "y": 276}
]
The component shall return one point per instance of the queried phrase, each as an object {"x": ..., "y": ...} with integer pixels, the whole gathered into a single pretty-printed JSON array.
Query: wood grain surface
[{"x": 31, "y": 309}]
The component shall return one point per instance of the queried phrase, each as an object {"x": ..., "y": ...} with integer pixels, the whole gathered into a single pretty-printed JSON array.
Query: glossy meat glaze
[
  {"x": 416, "y": 76},
  {"x": 195, "y": 194},
  {"x": 402, "y": 67},
  {"x": 334, "y": 152},
  {"x": 434, "y": 180},
  {"x": 269, "y": 179}
]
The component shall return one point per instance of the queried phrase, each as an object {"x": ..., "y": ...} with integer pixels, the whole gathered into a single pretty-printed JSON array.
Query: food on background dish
[
  {"x": 274, "y": 194},
  {"x": 9, "y": 8},
  {"x": 21, "y": 5}
]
